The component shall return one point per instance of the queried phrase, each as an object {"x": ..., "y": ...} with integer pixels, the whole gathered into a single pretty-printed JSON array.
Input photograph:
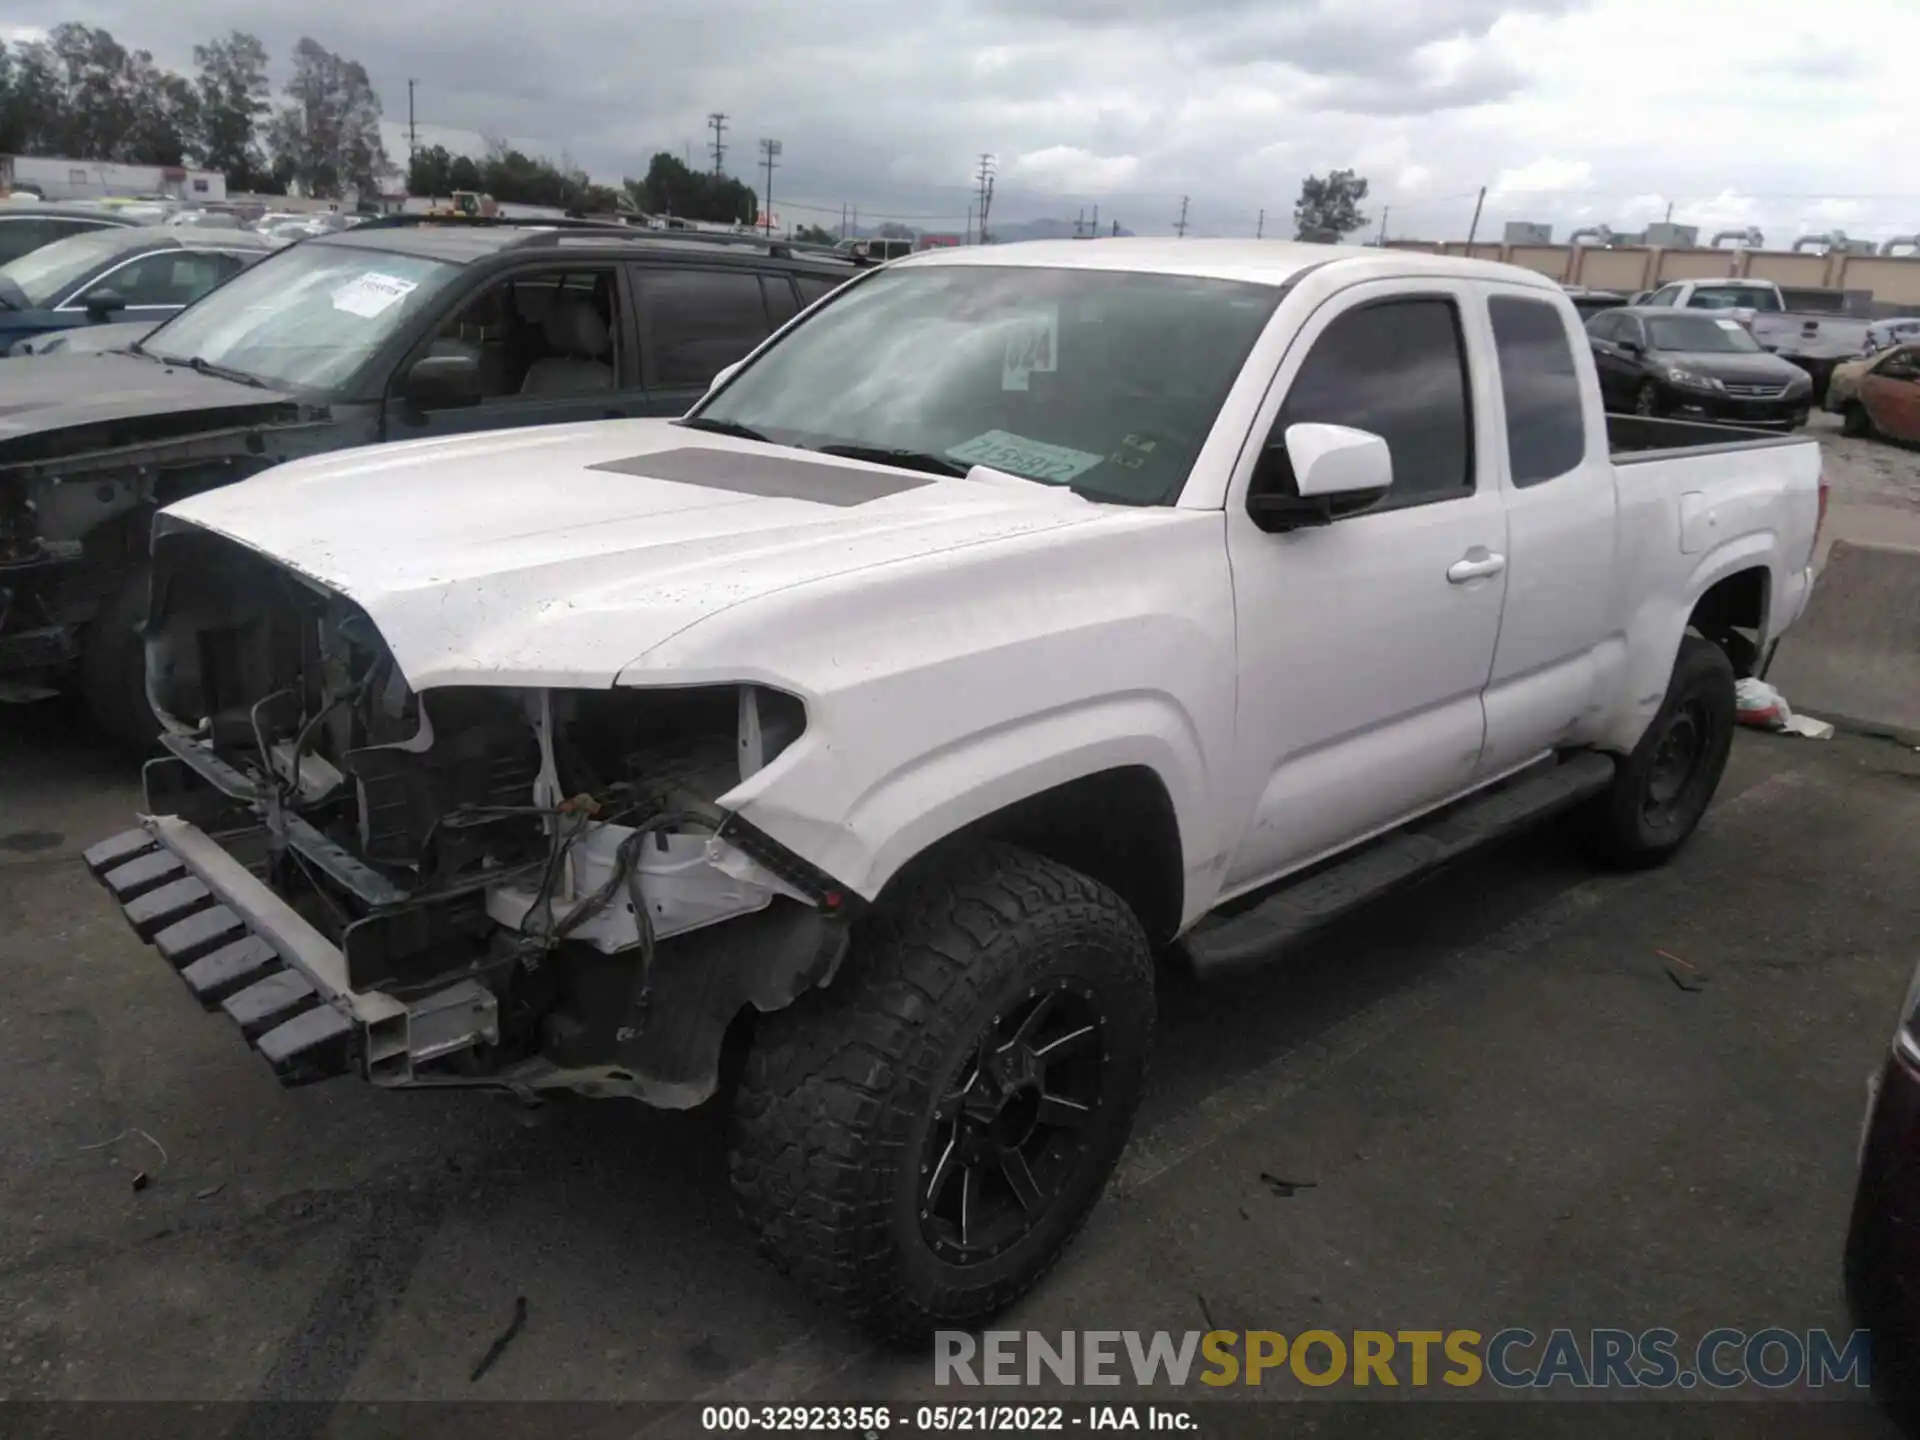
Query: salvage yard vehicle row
[
  {"x": 386, "y": 331},
  {"x": 1016, "y": 611}
]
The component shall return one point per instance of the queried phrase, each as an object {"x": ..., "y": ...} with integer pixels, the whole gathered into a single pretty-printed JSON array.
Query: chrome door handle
[{"x": 1477, "y": 565}]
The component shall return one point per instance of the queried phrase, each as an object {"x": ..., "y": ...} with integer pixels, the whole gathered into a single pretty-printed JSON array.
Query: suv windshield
[
  {"x": 43, "y": 276},
  {"x": 1736, "y": 297},
  {"x": 310, "y": 316},
  {"x": 1102, "y": 380},
  {"x": 1698, "y": 334}
]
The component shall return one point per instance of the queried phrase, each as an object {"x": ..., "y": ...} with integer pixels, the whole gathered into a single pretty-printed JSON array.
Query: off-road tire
[
  {"x": 1855, "y": 421},
  {"x": 1620, "y": 829},
  {"x": 836, "y": 1107},
  {"x": 113, "y": 667}
]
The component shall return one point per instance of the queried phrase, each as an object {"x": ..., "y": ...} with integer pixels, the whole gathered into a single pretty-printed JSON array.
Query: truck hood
[
  {"x": 561, "y": 555},
  {"x": 66, "y": 404}
]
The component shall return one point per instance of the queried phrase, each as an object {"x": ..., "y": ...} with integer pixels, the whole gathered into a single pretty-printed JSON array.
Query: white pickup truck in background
[{"x": 877, "y": 721}]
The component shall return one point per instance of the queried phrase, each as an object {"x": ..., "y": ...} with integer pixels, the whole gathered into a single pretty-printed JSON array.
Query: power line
[{"x": 717, "y": 122}]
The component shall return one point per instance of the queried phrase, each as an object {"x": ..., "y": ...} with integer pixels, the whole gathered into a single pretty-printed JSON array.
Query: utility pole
[
  {"x": 985, "y": 201},
  {"x": 1385, "y": 210},
  {"x": 769, "y": 149},
  {"x": 413, "y": 131},
  {"x": 1080, "y": 223},
  {"x": 1095, "y": 230},
  {"x": 843, "y": 219},
  {"x": 1260, "y": 227},
  {"x": 717, "y": 122},
  {"x": 1474, "y": 228},
  {"x": 1180, "y": 225},
  {"x": 969, "y": 239},
  {"x": 1669, "y": 212}
]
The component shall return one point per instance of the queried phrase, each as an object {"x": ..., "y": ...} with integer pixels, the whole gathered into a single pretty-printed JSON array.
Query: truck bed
[{"x": 1632, "y": 439}]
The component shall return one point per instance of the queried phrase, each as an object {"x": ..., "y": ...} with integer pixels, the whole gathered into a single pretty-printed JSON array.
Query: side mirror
[
  {"x": 442, "y": 380},
  {"x": 102, "y": 303},
  {"x": 1321, "y": 473},
  {"x": 1631, "y": 347},
  {"x": 725, "y": 374}
]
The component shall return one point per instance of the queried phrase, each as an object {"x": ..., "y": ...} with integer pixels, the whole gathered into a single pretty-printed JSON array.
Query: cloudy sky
[{"x": 1572, "y": 112}]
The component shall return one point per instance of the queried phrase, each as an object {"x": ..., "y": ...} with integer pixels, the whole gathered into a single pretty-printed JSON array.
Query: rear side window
[
  {"x": 1546, "y": 423},
  {"x": 1397, "y": 369},
  {"x": 781, "y": 306},
  {"x": 695, "y": 323},
  {"x": 1604, "y": 327},
  {"x": 814, "y": 287},
  {"x": 20, "y": 234}
]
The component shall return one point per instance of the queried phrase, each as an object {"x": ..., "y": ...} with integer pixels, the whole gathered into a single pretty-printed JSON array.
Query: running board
[{"x": 1297, "y": 908}]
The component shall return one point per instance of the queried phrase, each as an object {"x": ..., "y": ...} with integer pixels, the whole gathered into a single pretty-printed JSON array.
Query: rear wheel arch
[{"x": 1731, "y": 607}]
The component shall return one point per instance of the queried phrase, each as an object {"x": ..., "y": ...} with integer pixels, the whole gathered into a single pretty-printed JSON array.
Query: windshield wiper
[
  {"x": 903, "y": 459},
  {"x": 723, "y": 427},
  {"x": 206, "y": 367}
]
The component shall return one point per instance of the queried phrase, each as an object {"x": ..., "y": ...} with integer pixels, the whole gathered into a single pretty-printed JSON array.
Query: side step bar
[{"x": 1297, "y": 908}]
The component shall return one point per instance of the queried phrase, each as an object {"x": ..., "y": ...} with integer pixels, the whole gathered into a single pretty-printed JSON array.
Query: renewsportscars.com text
[{"x": 1513, "y": 1358}]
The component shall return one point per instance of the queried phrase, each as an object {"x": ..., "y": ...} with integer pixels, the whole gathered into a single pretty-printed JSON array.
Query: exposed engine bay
[{"x": 542, "y": 881}]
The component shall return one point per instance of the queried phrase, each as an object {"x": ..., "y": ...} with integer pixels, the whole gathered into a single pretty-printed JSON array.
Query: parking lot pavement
[{"x": 1499, "y": 1103}]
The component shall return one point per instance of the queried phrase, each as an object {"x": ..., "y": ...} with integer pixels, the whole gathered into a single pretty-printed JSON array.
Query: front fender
[{"x": 917, "y": 804}]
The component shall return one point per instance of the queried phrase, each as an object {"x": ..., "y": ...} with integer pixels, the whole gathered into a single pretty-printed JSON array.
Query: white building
[{"x": 58, "y": 179}]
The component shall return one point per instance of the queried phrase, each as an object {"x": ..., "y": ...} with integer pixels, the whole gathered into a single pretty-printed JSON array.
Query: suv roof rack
[
  {"x": 492, "y": 222},
  {"x": 544, "y": 231}
]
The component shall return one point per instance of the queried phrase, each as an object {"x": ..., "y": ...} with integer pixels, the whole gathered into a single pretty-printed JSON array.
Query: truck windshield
[
  {"x": 1737, "y": 297},
  {"x": 1697, "y": 334},
  {"x": 309, "y": 316},
  {"x": 1102, "y": 380}
]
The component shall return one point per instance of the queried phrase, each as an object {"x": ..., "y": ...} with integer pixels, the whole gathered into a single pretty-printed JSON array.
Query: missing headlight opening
[{"x": 528, "y": 876}]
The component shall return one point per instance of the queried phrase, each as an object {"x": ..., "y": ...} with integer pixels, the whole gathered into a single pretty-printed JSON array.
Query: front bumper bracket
[{"x": 243, "y": 950}]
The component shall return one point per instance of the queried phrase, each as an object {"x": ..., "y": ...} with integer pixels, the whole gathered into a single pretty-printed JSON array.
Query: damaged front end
[{"x": 530, "y": 889}]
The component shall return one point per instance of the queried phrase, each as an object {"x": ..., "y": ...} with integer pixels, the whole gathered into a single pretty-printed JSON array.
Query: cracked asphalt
[{"x": 1494, "y": 1101}]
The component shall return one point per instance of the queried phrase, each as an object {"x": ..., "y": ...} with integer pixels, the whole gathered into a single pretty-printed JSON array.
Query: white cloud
[
  {"x": 1543, "y": 177},
  {"x": 1073, "y": 170},
  {"x": 1735, "y": 112}
]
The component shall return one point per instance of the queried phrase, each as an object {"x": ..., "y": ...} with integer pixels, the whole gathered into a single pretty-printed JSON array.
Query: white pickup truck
[{"x": 876, "y": 723}]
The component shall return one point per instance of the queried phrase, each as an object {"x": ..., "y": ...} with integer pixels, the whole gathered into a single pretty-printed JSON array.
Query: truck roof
[{"x": 1257, "y": 262}]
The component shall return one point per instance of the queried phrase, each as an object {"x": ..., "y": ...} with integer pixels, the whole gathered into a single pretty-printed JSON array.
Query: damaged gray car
[{"x": 394, "y": 330}]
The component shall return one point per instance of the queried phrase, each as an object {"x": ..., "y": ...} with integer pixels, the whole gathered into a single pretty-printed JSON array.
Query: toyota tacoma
[{"x": 878, "y": 723}]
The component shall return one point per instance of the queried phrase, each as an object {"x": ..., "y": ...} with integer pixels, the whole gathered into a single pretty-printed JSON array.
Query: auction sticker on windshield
[
  {"x": 1030, "y": 459},
  {"x": 372, "y": 293},
  {"x": 1032, "y": 346}
]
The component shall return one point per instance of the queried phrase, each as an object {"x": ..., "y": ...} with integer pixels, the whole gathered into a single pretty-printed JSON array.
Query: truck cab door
[
  {"x": 1365, "y": 644},
  {"x": 1563, "y": 625}
]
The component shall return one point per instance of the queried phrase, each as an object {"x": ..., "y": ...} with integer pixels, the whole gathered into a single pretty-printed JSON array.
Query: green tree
[
  {"x": 328, "y": 138},
  {"x": 815, "y": 235},
  {"x": 430, "y": 172},
  {"x": 232, "y": 90},
  {"x": 1329, "y": 207},
  {"x": 670, "y": 188}
]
